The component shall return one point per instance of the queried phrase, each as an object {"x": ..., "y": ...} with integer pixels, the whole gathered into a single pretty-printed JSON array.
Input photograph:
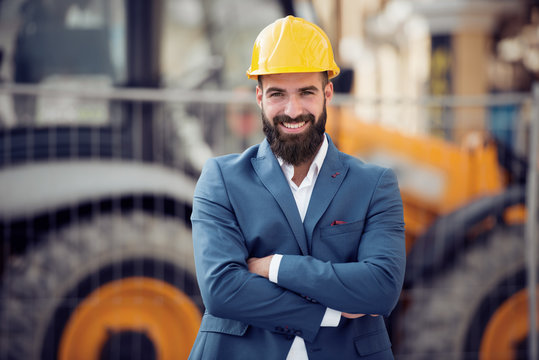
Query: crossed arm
[
  {"x": 261, "y": 266},
  {"x": 231, "y": 287},
  {"x": 369, "y": 285}
]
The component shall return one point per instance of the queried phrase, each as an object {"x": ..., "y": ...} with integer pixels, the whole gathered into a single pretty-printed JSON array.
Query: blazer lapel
[
  {"x": 329, "y": 180},
  {"x": 270, "y": 173}
]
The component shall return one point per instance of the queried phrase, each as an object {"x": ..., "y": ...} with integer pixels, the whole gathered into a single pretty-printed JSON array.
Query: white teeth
[{"x": 293, "y": 125}]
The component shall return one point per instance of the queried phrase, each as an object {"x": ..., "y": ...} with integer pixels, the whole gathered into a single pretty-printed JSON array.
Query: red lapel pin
[{"x": 335, "y": 175}]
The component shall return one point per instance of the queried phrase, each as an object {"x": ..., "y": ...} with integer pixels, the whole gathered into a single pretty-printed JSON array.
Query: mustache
[{"x": 279, "y": 119}]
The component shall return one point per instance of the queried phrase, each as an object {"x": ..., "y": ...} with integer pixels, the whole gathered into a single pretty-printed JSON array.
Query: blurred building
[{"x": 404, "y": 50}]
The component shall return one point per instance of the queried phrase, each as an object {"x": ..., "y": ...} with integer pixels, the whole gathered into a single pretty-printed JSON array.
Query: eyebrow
[
  {"x": 309, "y": 88},
  {"x": 274, "y": 89},
  {"x": 306, "y": 88}
]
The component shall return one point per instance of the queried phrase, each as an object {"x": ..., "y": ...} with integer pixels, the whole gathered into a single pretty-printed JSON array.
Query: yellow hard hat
[{"x": 292, "y": 45}]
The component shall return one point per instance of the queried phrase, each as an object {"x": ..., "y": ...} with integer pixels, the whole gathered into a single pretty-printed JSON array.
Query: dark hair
[{"x": 324, "y": 74}]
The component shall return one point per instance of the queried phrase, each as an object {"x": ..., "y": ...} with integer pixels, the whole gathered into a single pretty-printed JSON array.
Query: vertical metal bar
[{"x": 531, "y": 225}]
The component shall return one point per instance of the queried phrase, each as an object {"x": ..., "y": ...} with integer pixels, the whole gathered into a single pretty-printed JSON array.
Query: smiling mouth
[{"x": 295, "y": 125}]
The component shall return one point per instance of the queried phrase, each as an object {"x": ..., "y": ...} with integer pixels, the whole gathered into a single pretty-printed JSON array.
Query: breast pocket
[{"x": 339, "y": 243}]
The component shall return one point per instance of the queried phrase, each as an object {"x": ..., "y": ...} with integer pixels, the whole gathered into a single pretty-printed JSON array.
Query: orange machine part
[
  {"x": 464, "y": 174},
  {"x": 161, "y": 311},
  {"x": 508, "y": 327}
]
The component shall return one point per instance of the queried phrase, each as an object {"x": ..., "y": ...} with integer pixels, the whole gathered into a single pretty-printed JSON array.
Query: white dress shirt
[{"x": 302, "y": 195}]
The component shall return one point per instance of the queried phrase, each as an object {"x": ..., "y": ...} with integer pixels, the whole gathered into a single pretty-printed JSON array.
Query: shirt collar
[{"x": 316, "y": 165}]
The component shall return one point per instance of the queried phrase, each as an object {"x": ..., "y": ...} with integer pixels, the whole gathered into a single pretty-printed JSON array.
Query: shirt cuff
[
  {"x": 331, "y": 318},
  {"x": 274, "y": 267}
]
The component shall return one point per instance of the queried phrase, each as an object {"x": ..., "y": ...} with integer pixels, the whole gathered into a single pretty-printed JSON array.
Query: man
[{"x": 294, "y": 241}]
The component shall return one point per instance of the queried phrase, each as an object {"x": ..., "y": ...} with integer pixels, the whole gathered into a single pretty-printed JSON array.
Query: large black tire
[
  {"x": 447, "y": 315},
  {"x": 44, "y": 286}
]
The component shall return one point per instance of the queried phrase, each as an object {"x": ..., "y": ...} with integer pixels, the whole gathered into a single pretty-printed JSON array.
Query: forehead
[{"x": 290, "y": 81}]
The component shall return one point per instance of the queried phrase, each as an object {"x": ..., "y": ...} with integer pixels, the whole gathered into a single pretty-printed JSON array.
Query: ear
[
  {"x": 328, "y": 91},
  {"x": 259, "y": 93}
]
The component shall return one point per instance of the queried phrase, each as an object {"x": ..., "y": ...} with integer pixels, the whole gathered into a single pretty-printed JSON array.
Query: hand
[
  {"x": 354, "y": 316},
  {"x": 260, "y": 266}
]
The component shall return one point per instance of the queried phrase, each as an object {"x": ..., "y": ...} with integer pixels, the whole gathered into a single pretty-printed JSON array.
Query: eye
[
  {"x": 275, "y": 94},
  {"x": 307, "y": 92}
]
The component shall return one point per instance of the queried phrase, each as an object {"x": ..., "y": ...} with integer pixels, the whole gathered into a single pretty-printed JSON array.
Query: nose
[{"x": 293, "y": 107}]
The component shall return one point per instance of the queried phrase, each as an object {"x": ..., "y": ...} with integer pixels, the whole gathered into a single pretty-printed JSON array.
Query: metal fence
[{"x": 96, "y": 188}]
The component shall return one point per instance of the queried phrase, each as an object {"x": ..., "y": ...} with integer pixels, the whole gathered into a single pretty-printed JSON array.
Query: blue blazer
[{"x": 243, "y": 207}]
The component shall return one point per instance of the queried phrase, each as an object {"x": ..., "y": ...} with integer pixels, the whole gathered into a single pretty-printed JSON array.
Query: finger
[{"x": 352, "y": 316}]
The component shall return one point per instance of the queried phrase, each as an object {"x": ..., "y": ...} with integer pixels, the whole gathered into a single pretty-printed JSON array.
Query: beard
[{"x": 295, "y": 149}]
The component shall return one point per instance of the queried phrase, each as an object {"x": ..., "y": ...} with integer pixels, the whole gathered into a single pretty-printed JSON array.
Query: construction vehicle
[
  {"x": 96, "y": 188},
  {"x": 464, "y": 207}
]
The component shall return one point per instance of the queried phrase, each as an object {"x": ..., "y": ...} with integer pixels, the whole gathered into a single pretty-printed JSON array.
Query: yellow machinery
[
  {"x": 464, "y": 291},
  {"x": 435, "y": 176}
]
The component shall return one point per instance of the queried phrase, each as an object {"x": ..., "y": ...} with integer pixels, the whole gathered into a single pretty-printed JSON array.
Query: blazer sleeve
[
  {"x": 227, "y": 287},
  {"x": 370, "y": 285}
]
